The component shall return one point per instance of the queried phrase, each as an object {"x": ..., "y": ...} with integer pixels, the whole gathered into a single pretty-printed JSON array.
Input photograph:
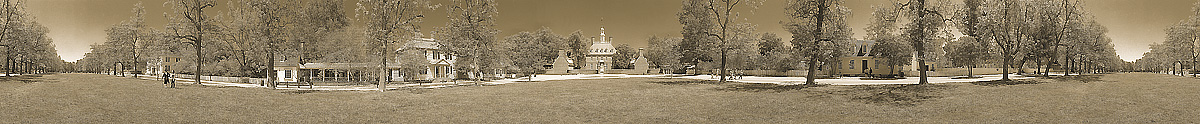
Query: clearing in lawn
[{"x": 1114, "y": 98}]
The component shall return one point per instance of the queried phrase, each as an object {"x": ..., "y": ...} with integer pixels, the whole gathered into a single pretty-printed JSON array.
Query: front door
[{"x": 865, "y": 69}]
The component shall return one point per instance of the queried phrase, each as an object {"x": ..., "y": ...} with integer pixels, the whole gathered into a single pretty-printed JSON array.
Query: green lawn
[{"x": 1115, "y": 98}]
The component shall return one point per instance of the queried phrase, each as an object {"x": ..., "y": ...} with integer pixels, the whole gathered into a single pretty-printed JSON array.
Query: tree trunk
[
  {"x": 199, "y": 62},
  {"x": 811, "y": 78},
  {"x": 970, "y": 71},
  {"x": 1004, "y": 68},
  {"x": 1067, "y": 65},
  {"x": 1049, "y": 62},
  {"x": 723, "y": 69},
  {"x": 271, "y": 82},
  {"x": 1021, "y": 65},
  {"x": 1193, "y": 62},
  {"x": 921, "y": 44},
  {"x": 384, "y": 73}
]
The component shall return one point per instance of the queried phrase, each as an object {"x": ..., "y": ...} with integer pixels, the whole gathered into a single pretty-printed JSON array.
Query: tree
[
  {"x": 770, "y": 42},
  {"x": 775, "y": 54},
  {"x": 135, "y": 27},
  {"x": 624, "y": 56},
  {"x": 470, "y": 33},
  {"x": 721, "y": 17},
  {"x": 889, "y": 46},
  {"x": 189, "y": 22},
  {"x": 927, "y": 20},
  {"x": 529, "y": 51},
  {"x": 1183, "y": 39},
  {"x": 388, "y": 22},
  {"x": 577, "y": 48},
  {"x": 664, "y": 53},
  {"x": 817, "y": 26},
  {"x": 697, "y": 21},
  {"x": 313, "y": 22},
  {"x": 25, "y": 44},
  {"x": 1004, "y": 26},
  {"x": 968, "y": 53}
]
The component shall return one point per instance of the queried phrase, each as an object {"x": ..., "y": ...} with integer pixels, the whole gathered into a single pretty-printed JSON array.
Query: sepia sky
[{"x": 76, "y": 24}]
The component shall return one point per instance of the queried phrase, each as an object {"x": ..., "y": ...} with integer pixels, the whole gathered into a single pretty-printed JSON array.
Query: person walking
[{"x": 168, "y": 79}]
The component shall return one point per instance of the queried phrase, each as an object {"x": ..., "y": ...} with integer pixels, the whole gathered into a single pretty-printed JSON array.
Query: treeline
[
  {"x": 240, "y": 42},
  {"x": 1039, "y": 34},
  {"x": 25, "y": 45},
  {"x": 256, "y": 34},
  {"x": 1178, "y": 54}
]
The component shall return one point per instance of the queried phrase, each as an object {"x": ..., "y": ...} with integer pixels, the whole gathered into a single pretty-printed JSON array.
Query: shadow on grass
[
  {"x": 897, "y": 94},
  {"x": 890, "y": 94},
  {"x": 28, "y": 78},
  {"x": 686, "y": 82},
  {"x": 413, "y": 90},
  {"x": 1005, "y": 82},
  {"x": 976, "y": 77},
  {"x": 1080, "y": 78},
  {"x": 303, "y": 91},
  {"x": 764, "y": 87}
]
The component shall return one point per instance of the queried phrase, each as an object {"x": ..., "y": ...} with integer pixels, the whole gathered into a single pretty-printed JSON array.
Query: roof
[
  {"x": 287, "y": 63},
  {"x": 425, "y": 43},
  {"x": 602, "y": 48},
  {"x": 862, "y": 47},
  {"x": 345, "y": 65}
]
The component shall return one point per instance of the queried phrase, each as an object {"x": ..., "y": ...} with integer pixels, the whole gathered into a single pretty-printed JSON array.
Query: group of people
[
  {"x": 168, "y": 78},
  {"x": 733, "y": 74}
]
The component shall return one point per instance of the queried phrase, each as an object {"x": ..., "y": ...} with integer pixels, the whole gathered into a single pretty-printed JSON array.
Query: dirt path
[{"x": 1115, "y": 98}]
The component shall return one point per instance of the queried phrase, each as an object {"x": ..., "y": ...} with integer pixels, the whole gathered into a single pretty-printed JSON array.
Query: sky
[{"x": 76, "y": 24}]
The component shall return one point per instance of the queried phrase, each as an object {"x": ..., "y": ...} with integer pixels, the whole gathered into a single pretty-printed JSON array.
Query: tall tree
[
  {"x": 927, "y": 20},
  {"x": 664, "y": 53},
  {"x": 722, "y": 16},
  {"x": 697, "y": 22},
  {"x": 577, "y": 48},
  {"x": 189, "y": 22},
  {"x": 968, "y": 19},
  {"x": 470, "y": 33},
  {"x": 816, "y": 25},
  {"x": 265, "y": 22},
  {"x": 529, "y": 51},
  {"x": 888, "y": 44},
  {"x": 311, "y": 22},
  {"x": 1004, "y": 28},
  {"x": 388, "y": 22},
  {"x": 967, "y": 52},
  {"x": 770, "y": 42},
  {"x": 624, "y": 56}
]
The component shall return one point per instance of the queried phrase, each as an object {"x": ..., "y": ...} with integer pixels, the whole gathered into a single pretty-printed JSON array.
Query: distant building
[
  {"x": 862, "y": 62},
  {"x": 441, "y": 62},
  {"x": 441, "y": 67},
  {"x": 599, "y": 57},
  {"x": 161, "y": 65}
]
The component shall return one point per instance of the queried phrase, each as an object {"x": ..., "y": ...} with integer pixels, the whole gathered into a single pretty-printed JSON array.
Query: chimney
[{"x": 641, "y": 51}]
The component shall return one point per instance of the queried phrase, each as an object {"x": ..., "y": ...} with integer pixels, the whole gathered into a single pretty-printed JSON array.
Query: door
[{"x": 865, "y": 69}]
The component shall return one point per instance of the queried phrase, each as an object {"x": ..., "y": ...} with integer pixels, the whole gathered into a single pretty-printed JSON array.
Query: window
[
  {"x": 876, "y": 63},
  {"x": 287, "y": 74},
  {"x": 851, "y": 64}
]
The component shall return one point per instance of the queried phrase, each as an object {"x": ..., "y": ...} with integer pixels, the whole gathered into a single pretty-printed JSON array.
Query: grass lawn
[{"x": 1113, "y": 98}]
